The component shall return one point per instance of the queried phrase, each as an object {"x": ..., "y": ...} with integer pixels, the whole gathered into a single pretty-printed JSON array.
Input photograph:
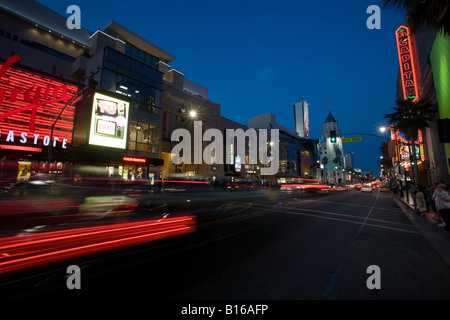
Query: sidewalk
[{"x": 429, "y": 215}]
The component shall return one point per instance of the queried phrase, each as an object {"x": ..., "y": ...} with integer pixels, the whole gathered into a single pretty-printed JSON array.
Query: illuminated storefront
[
  {"x": 34, "y": 114},
  {"x": 402, "y": 155}
]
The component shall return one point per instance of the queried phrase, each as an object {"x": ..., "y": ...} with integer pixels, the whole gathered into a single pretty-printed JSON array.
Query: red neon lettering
[
  {"x": 15, "y": 58},
  {"x": 106, "y": 107},
  {"x": 59, "y": 94},
  {"x": 409, "y": 83},
  {"x": 404, "y": 49},
  {"x": 410, "y": 92},
  {"x": 14, "y": 93},
  {"x": 134, "y": 159},
  {"x": 407, "y": 63},
  {"x": 2, "y": 95},
  {"x": 27, "y": 95},
  {"x": 408, "y": 75}
]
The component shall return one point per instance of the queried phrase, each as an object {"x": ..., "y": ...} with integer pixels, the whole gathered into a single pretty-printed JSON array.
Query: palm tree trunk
[{"x": 412, "y": 155}]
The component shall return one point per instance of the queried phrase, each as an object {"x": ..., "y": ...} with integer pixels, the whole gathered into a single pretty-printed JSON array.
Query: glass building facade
[{"x": 134, "y": 75}]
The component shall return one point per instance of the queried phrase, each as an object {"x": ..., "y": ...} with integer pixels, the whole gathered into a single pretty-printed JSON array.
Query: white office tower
[{"x": 301, "y": 118}]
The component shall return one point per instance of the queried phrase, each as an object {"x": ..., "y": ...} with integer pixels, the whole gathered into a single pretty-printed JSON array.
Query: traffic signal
[{"x": 333, "y": 136}]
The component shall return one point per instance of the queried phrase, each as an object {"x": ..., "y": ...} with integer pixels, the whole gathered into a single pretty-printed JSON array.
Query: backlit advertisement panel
[
  {"x": 403, "y": 155},
  {"x": 109, "y": 122}
]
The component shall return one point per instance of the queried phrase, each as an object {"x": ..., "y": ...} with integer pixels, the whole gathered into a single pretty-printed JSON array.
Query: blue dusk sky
[{"x": 262, "y": 56}]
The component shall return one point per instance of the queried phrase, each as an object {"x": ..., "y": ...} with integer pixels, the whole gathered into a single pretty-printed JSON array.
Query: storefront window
[
  {"x": 143, "y": 137},
  {"x": 132, "y": 79},
  {"x": 142, "y": 96}
]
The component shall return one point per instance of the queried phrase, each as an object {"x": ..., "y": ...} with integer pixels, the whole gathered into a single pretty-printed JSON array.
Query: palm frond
[
  {"x": 433, "y": 13},
  {"x": 409, "y": 117}
]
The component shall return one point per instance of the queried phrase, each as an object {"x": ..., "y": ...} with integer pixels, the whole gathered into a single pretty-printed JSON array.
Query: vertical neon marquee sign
[{"x": 407, "y": 63}]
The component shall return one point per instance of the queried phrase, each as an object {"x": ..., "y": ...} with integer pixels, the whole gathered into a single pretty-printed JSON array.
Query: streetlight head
[{"x": 382, "y": 129}]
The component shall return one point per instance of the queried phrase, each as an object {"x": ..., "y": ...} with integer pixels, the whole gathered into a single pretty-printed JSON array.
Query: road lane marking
[
  {"x": 332, "y": 280},
  {"x": 296, "y": 212},
  {"x": 359, "y": 205}
]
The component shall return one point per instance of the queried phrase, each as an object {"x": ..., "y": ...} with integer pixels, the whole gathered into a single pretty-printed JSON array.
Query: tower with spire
[{"x": 332, "y": 152}]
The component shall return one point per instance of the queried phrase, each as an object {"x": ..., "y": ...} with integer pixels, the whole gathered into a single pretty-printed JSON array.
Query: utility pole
[{"x": 91, "y": 84}]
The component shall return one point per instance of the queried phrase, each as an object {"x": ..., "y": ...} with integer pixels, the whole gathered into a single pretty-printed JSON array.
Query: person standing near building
[
  {"x": 430, "y": 194},
  {"x": 442, "y": 199},
  {"x": 420, "y": 200}
]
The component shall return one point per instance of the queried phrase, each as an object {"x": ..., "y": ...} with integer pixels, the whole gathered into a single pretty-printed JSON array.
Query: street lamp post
[
  {"x": 181, "y": 114},
  {"x": 50, "y": 146}
]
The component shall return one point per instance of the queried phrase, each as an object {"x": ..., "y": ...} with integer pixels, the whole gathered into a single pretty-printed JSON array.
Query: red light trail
[{"x": 27, "y": 251}]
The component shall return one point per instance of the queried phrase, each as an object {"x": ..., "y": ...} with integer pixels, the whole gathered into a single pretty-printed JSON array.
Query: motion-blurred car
[
  {"x": 385, "y": 188},
  {"x": 101, "y": 206},
  {"x": 367, "y": 188},
  {"x": 243, "y": 185}
]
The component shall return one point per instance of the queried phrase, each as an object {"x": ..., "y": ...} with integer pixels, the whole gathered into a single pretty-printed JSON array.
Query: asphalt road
[{"x": 267, "y": 245}]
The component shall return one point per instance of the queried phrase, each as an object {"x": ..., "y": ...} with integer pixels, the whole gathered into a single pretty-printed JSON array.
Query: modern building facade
[
  {"x": 126, "y": 98},
  {"x": 185, "y": 103},
  {"x": 301, "y": 118},
  {"x": 430, "y": 55},
  {"x": 298, "y": 156},
  {"x": 36, "y": 114},
  {"x": 235, "y": 167}
]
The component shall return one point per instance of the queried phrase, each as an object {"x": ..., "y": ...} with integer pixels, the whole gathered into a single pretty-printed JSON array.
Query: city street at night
[
  {"x": 207, "y": 159},
  {"x": 267, "y": 245}
]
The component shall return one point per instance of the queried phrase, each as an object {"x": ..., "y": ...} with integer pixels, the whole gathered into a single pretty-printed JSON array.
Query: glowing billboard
[
  {"x": 109, "y": 122},
  {"x": 403, "y": 151}
]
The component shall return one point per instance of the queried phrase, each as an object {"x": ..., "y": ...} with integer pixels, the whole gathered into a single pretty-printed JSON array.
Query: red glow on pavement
[{"x": 27, "y": 251}]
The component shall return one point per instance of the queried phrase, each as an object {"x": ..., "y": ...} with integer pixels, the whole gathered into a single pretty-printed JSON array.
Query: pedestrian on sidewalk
[
  {"x": 442, "y": 199},
  {"x": 430, "y": 194},
  {"x": 420, "y": 200},
  {"x": 412, "y": 191},
  {"x": 437, "y": 216}
]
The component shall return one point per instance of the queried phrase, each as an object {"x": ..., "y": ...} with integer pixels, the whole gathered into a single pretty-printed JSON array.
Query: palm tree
[
  {"x": 385, "y": 161},
  {"x": 410, "y": 117},
  {"x": 433, "y": 13}
]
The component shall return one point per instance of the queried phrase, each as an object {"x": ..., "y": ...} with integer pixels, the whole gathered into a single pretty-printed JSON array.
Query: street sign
[{"x": 353, "y": 139}]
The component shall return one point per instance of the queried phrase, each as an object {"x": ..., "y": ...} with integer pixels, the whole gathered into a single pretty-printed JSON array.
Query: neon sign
[
  {"x": 403, "y": 152},
  {"x": 137, "y": 160},
  {"x": 20, "y": 148},
  {"x": 29, "y": 105},
  {"x": 407, "y": 63}
]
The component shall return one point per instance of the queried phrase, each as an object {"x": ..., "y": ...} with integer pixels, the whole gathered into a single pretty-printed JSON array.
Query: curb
[
  {"x": 438, "y": 239},
  {"x": 428, "y": 215}
]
